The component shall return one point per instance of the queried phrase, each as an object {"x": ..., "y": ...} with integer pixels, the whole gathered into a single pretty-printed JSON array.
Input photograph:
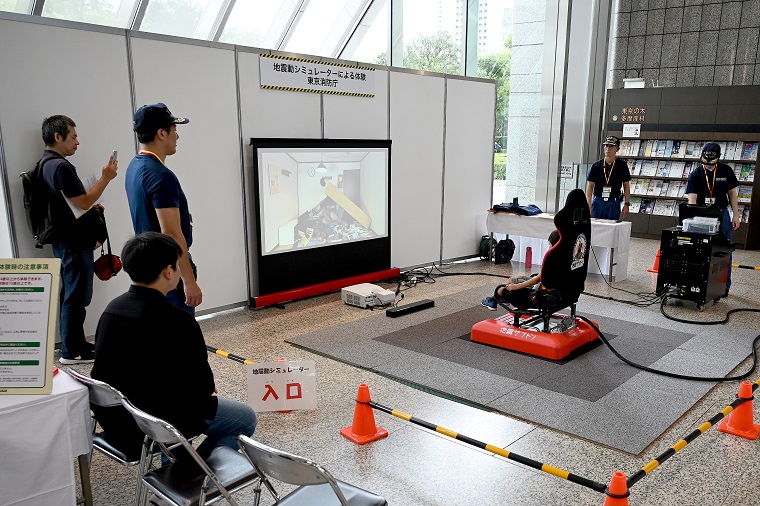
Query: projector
[{"x": 367, "y": 295}]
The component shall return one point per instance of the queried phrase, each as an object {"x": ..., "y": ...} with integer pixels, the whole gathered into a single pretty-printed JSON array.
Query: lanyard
[
  {"x": 707, "y": 181},
  {"x": 606, "y": 175},
  {"x": 151, "y": 153}
]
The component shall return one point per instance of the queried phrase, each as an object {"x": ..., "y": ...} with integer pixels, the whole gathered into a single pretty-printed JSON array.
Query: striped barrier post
[
  {"x": 227, "y": 354},
  {"x": 554, "y": 471},
  {"x": 654, "y": 464},
  {"x": 751, "y": 267}
]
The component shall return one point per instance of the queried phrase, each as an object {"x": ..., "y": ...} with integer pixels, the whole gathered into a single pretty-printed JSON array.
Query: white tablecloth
[
  {"x": 40, "y": 437},
  {"x": 607, "y": 238}
]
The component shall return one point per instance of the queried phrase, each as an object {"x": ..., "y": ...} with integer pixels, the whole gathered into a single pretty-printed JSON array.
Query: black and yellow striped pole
[
  {"x": 560, "y": 473},
  {"x": 227, "y": 354},
  {"x": 654, "y": 464},
  {"x": 751, "y": 267}
]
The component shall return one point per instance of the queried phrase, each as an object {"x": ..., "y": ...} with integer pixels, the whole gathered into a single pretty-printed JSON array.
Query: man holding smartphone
[
  {"x": 77, "y": 269},
  {"x": 156, "y": 200}
]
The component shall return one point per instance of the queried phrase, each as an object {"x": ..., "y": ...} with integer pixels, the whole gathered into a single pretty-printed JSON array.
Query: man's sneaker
[
  {"x": 88, "y": 346},
  {"x": 86, "y": 357},
  {"x": 489, "y": 302}
]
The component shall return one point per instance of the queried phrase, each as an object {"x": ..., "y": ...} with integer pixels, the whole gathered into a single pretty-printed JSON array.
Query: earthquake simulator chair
[
  {"x": 316, "y": 485},
  {"x": 528, "y": 329},
  {"x": 104, "y": 395},
  {"x": 191, "y": 478},
  {"x": 565, "y": 265}
]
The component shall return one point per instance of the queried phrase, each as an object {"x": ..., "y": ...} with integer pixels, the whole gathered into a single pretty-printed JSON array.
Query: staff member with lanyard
[
  {"x": 605, "y": 179},
  {"x": 714, "y": 184}
]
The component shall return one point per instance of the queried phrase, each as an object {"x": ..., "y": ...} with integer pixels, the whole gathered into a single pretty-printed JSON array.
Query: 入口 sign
[{"x": 281, "y": 386}]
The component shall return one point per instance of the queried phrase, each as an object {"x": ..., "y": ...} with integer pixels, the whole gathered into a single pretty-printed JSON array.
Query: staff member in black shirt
[
  {"x": 605, "y": 180},
  {"x": 714, "y": 184}
]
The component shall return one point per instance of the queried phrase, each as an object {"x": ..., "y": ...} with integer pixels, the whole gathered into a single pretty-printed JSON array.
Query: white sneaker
[{"x": 85, "y": 358}]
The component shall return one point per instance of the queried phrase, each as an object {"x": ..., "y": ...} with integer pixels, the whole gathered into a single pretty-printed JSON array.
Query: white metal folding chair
[
  {"x": 317, "y": 486},
  {"x": 104, "y": 395},
  {"x": 191, "y": 479}
]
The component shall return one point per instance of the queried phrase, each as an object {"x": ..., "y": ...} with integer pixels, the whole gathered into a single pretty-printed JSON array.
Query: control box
[
  {"x": 367, "y": 295},
  {"x": 694, "y": 265}
]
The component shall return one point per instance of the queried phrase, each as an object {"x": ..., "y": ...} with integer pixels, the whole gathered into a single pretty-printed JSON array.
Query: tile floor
[{"x": 414, "y": 466}]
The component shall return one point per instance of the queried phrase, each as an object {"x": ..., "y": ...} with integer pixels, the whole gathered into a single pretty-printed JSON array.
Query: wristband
[{"x": 627, "y": 204}]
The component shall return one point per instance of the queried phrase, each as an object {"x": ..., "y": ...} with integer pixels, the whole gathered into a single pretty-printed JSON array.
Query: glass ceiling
[{"x": 432, "y": 31}]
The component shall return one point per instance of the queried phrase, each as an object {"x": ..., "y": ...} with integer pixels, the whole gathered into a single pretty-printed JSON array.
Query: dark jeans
[
  {"x": 609, "y": 210},
  {"x": 727, "y": 228},
  {"x": 76, "y": 293},
  {"x": 521, "y": 298}
]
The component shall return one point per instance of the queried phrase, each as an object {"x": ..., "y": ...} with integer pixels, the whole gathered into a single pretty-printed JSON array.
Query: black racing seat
[{"x": 565, "y": 265}]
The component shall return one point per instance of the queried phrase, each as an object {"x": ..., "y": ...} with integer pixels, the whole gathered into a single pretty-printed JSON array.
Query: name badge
[
  {"x": 606, "y": 190},
  {"x": 709, "y": 201}
]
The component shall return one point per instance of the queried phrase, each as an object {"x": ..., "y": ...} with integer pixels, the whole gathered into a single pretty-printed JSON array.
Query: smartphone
[{"x": 114, "y": 154}]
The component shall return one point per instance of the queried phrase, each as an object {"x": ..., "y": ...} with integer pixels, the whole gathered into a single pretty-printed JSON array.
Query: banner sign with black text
[{"x": 312, "y": 76}]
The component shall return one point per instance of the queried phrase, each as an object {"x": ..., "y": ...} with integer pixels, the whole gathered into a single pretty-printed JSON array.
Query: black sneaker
[
  {"x": 86, "y": 357},
  {"x": 88, "y": 346}
]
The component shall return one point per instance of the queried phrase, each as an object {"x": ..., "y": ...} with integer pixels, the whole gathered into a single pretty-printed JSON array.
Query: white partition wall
[
  {"x": 441, "y": 136},
  {"x": 470, "y": 116},
  {"x": 417, "y": 162},
  {"x": 207, "y": 161},
  {"x": 50, "y": 70},
  {"x": 358, "y": 117},
  {"x": 274, "y": 113}
]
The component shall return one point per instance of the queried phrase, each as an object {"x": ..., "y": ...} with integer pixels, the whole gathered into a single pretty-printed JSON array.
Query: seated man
[
  {"x": 517, "y": 290},
  {"x": 154, "y": 353}
]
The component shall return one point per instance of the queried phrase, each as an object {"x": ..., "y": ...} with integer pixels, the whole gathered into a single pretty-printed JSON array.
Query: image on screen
[{"x": 310, "y": 197}]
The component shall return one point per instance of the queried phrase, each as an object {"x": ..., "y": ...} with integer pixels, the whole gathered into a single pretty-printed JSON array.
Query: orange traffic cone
[
  {"x": 740, "y": 422},
  {"x": 617, "y": 491},
  {"x": 363, "y": 429},
  {"x": 656, "y": 267}
]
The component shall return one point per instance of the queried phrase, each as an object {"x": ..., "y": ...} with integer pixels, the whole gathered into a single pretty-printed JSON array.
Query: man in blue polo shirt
[
  {"x": 156, "y": 200},
  {"x": 714, "y": 184}
]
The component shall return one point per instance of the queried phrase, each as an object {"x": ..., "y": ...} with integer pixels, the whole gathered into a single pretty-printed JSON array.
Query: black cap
[
  {"x": 611, "y": 140},
  {"x": 710, "y": 153},
  {"x": 149, "y": 118}
]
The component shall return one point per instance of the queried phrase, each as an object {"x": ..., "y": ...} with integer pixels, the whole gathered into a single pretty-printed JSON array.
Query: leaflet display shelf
[{"x": 672, "y": 125}]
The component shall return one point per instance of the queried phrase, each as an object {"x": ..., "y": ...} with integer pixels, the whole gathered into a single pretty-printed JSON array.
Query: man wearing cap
[
  {"x": 714, "y": 184},
  {"x": 605, "y": 179},
  {"x": 156, "y": 200}
]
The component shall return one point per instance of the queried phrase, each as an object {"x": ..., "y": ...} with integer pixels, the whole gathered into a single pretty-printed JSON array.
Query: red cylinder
[{"x": 528, "y": 259}]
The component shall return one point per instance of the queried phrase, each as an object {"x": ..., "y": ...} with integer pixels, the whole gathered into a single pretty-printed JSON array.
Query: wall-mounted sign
[
  {"x": 632, "y": 130},
  {"x": 28, "y": 310},
  {"x": 566, "y": 170},
  {"x": 633, "y": 114},
  {"x": 312, "y": 76}
]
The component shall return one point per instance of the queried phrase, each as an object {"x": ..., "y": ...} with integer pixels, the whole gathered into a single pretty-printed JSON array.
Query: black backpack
[
  {"x": 503, "y": 251},
  {"x": 38, "y": 204}
]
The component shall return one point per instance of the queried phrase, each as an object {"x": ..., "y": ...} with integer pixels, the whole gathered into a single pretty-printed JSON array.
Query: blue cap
[
  {"x": 710, "y": 153},
  {"x": 149, "y": 118}
]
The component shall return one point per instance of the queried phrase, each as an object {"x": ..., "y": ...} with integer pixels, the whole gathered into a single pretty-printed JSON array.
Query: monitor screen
[{"x": 322, "y": 210}]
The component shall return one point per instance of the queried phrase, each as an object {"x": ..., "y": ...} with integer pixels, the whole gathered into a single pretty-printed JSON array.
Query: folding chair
[
  {"x": 190, "y": 479},
  {"x": 104, "y": 395},
  {"x": 317, "y": 486}
]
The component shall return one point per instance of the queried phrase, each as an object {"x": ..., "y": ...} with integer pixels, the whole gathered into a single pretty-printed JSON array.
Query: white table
[
  {"x": 40, "y": 436},
  {"x": 610, "y": 241}
]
